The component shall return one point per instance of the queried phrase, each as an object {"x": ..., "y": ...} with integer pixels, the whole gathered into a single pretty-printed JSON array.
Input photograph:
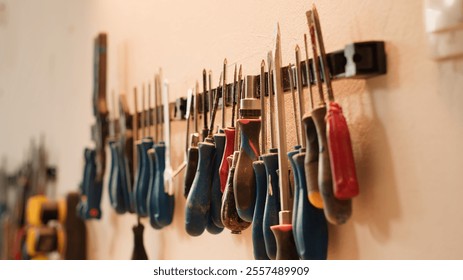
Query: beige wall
[{"x": 406, "y": 126}]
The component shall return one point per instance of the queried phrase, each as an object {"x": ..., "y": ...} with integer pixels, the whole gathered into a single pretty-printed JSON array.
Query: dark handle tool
[
  {"x": 216, "y": 192},
  {"x": 296, "y": 193},
  {"x": 244, "y": 179},
  {"x": 336, "y": 211},
  {"x": 212, "y": 228},
  {"x": 151, "y": 191},
  {"x": 309, "y": 226},
  {"x": 286, "y": 249},
  {"x": 198, "y": 201},
  {"x": 164, "y": 202},
  {"x": 116, "y": 194},
  {"x": 230, "y": 218},
  {"x": 84, "y": 185},
  {"x": 258, "y": 242},
  {"x": 272, "y": 202},
  {"x": 143, "y": 177},
  {"x": 93, "y": 192},
  {"x": 229, "y": 148},
  {"x": 311, "y": 162},
  {"x": 125, "y": 169},
  {"x": 192, "y": 165},
  {"x": 342, "y": 158},
  {"x": 139, "y": 252}
]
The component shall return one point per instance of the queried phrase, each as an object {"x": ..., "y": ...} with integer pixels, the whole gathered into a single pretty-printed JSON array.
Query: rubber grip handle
[
  {"x": 139, "y": 252},
  {"x": 230, "y": 218},
  {"x": 336, "y": 211},
  {"x": 143, "y": 177},
  {"x": 164, "y": 202},
  {"x": 341, "y": 155},
  {"x": 84, "y": 185},
  {"x": 212, "y": 228},
  {"x": 272, "y": 202},
  {"x": 311, "y": 162},
  {"x": 94, "y": 188},
  {"x": 296, "y": 179},
  {"x": 151, "y": 191},
  {"x": 125, "y": 165},
  {"x": 286, "y": 248},
  {"x": 244, "y": 180},
  {"x": 199, "y": 198},
  {"x": 137, "y": 173},
  {"x": 115, "y": 185},
  {"x": 229, "y": 148},
  {"x": 258, "y": 242},
  {"x": 216, "y": 192},
  {"x": 310, "y": 228},
  {"x": 190, "y": 173}
]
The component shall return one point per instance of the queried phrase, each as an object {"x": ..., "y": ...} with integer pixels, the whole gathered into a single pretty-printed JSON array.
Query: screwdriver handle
[
  {"x": 310, "y": 229},
  {"x": 244, "y": 180},
  {"x": 216, "y": 192},
  {"x": 198, "y": 201},
  {"x": 143, "y": 177},
  {"x": 125, "y": 171},
  {"x": 341, "y": 155},
  {"x": 229, "y": 149},
  {"x": 151, "y": 191},
  {"x": 296, "y": 194},
  {"x": 311, "y": 162},
  {"x": 286, "y": 248},
  {"x": 212, "y": 228},
  {"x": 82, "y": 205},
  {"x": 192, "y": 165},
  {"x": 272, "y": 202},
  {"x": 116, "y": 195},
  {"x": 337, "y": 211},
  {"x": 94, "y": 188},
  {"x": 139, "y": 252},
  {"x": 230, "y": 218},
  {"x": 164, "y": 202},
  {"x": 258, "y": 242}
]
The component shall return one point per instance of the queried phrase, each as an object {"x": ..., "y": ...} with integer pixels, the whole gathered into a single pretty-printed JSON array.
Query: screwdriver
[
  {"x": 164, "y": 199},
  {"x": 272, "y": 200},
  {"x": 199, "y": 198},
  {"x": 230, "y": 218},
  {"x": 192, "y": 162},
  {"x": 311, "y": 156},
  {"x": 339, "y": 144},
  {"x": 143, "y": 176},
  {"x": 126, "y": 137},
  {"x": 336, "y": 211},
  {"x": 244, "y": 178},
  {"x": 310, "y": 228},
  {"x": 258, "y": 242},
  {"x": 286, "y": 248},
  {"x": 229, "y": 131},
  {"x": 216, "y": 193},
  {"x": 116, "y": 196},
  {"x": 189, "y": 104}
]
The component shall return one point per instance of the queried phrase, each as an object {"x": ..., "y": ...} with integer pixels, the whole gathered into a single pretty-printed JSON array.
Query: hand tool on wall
[
  {"x": 272, "y": 200},
  {"x": 141, "y": 185},
  {"x": 205, "y": 131},
  {"x": 230, "y": 218},
  {"x": 310, "y": 228},
  {"x": 286, "y": 248},
  {"x": 311, "y": 156},
  {"x": 336, "y": 211},
  {"x": 345, "y": 183},
  {"x": 187, "y": 185},
  {"x": 258, "y": 242},
  {"x": 96, "y": 159},
  {"x": 229, "y": 131},
  {"x": 126, "y": 140},
  {"x": 116, "y": 194},
  {"x": 193, "y": 152},
  {"x": 162, "y": 201},
  {"x": 249, "y": 126},
  {"x": 199, "y": 198},
  {"x": 216, "y": 192}
]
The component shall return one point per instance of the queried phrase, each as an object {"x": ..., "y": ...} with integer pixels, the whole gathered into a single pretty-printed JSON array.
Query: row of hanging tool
[{"x": 233, "y": 179}]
